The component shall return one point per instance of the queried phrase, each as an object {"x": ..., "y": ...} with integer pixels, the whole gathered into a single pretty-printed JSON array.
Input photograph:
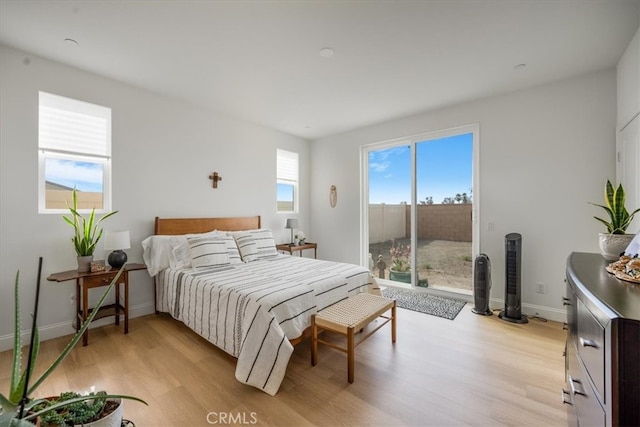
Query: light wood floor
[{"x": 475, "y": 370}]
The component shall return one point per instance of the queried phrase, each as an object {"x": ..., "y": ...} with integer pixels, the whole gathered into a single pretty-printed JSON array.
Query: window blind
[
  {"x": 287, "y": 166},
  {"x": 72, "y": 126}
]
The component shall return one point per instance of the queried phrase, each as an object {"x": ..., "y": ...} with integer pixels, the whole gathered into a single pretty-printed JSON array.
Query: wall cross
[{"x": 215, "y": 178}]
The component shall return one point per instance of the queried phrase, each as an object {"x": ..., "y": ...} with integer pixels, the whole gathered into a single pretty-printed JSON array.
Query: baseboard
[
  {"x": 61, "y": 329},
  {"x": 549, "y": 313}
]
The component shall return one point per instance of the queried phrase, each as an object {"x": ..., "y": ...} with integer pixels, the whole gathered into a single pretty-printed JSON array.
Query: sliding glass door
[{"x": 420, "y": 198}]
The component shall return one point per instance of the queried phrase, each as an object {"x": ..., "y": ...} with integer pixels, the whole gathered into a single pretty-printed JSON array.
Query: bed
[{"x": 224, "y": 279}]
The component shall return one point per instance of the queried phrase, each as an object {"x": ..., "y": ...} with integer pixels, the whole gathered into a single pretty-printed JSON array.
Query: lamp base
[{"x": 117, "y": 259}]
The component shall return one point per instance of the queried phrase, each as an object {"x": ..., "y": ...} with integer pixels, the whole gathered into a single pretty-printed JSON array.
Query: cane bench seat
[{"x": 348, "y": 316}]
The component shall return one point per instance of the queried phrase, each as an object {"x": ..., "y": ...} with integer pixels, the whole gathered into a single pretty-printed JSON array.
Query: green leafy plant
[
  {"x": 86, "y": 232},
  {"x": 619, "y": 217},
  {"x": 77, "y": 413},
  {"x": 11, "y": 414}
]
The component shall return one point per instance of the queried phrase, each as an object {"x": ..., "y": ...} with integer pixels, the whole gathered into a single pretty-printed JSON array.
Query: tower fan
[
  {"x": 512, "y": 294},
  {"x": 482, "y": 285}
]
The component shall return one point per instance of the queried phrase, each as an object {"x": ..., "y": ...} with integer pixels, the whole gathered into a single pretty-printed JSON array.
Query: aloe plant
[
  {"x": 86, "y": 232},
  {"x": 11, "y": 414},
  {"x": 619, "y": 217}
]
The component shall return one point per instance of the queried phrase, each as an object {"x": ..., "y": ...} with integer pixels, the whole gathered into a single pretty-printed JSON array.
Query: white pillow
[
  {"x": 265, "y": 243},
  {"x": 232, "y": 249},
  {"x": 208, "y": 251},
  {"x": 246, "y": 245},
  {"x": 156, "y": 251},
  {"x": 180, "y": 254}
]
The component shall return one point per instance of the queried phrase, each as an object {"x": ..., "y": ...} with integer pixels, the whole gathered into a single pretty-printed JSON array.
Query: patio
[{"x": 445, "y": 264}]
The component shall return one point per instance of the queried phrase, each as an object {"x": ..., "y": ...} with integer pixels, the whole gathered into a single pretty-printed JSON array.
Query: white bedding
[{"x": 251, "y": 310}]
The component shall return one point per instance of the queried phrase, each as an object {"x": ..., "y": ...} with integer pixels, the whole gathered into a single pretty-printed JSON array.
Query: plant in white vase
[{"x": 615, "y": 240}]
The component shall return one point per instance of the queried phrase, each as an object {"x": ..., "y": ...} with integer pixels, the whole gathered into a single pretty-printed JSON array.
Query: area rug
[{"x": 425, "y": 303}]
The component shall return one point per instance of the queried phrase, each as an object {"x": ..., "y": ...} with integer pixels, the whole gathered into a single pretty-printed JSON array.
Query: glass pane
[
  {"x": 285, "y": 194},
  {"x": 63, "y": 175},
  {"x": 444, "y": 222},
  {"x": 389, "y": 212}
]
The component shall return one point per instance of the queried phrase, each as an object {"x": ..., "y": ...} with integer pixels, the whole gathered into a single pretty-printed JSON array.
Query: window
[
  {"x": 287, "y": 181},
  {"x": 74, "y": 151}
]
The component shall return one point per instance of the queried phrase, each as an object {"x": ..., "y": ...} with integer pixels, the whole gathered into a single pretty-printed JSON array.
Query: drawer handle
[
  {"x": 565, "y": 326},
  {"x": 566, "y": 301},
  {"x": 574, "y": 389},
  {"x": 565, "y": 401},
  {"x": 588, "y": 343}
]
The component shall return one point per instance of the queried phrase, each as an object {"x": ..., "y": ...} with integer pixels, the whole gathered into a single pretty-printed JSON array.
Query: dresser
[{"x": 602, "y": 354}]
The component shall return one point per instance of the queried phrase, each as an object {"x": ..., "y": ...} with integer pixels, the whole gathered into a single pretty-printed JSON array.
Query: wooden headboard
[{"x": 176, "y": 226}]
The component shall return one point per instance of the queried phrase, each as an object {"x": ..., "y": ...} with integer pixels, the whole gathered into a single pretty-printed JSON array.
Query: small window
[
  {"x": 74, "y": 151},
  {"x": 287, "y": 181}
]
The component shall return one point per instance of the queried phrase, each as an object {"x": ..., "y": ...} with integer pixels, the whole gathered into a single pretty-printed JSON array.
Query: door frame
[{"x": 472, "y": 128}]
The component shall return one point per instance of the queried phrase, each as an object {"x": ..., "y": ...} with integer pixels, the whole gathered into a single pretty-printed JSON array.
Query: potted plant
[
  {"x": 400, "y": 270},
  {"x": 97, "y": 411},
  {"x": 86, "y": 232},
  {"x": 615, "y": 240},
  {"x": 18, "y": 408}
]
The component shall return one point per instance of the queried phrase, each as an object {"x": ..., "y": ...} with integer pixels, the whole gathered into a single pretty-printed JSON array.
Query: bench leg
[
  {"x": 393, "y": 322},
  {"x": 350, "y": 355},
  {"x": 314, "y": 341}
]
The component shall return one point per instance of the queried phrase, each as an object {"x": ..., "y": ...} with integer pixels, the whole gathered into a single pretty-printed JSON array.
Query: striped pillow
[
  {"x": 208, "y": 252},
  {"x": 232, "y": 250},
  {"x": 265, "y": 243},
  {"x": 247, "y": 246}
]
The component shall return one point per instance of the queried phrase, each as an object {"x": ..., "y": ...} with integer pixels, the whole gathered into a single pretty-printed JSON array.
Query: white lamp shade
[
  {"x": 291, "y": 223},
  {"x": 117, "y": 240}
]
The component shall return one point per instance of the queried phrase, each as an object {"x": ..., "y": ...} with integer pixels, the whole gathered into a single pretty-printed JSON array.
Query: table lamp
[
  {"x": 291, "y": 223},
  {"x": 117, "y": 241}
]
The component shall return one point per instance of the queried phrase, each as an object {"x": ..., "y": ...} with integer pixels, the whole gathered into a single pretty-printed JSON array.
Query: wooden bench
[{"x": 348, "y": 316}]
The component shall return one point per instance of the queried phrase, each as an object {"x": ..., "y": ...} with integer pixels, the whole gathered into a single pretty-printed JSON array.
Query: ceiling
[{"x": 260, "y": 60}]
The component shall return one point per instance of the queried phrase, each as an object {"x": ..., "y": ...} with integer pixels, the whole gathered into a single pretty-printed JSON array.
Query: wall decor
[
  {"x": 215, "y": 178},
  {"x": 333, "y": 196}
]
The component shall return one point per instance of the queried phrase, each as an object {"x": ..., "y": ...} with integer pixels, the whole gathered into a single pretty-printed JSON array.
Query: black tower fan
[
  {"x": 482, "y": 285},
  {"x": 512, "y": 295}
]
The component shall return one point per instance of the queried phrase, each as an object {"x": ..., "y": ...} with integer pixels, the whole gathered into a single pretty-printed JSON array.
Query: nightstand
[
  {"x": 286, "y": 247},
  {"x": 86, "y": 281}
]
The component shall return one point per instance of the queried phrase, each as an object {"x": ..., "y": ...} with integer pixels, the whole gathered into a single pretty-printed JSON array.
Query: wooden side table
[
  {"x": 86, "y": 281},
  {"x": 286, "y": 247}
]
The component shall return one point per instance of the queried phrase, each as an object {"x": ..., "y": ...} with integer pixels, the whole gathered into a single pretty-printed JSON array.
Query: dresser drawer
[
  {"x": 590, "y": 344},
  {"x": 584, "y": 403}
]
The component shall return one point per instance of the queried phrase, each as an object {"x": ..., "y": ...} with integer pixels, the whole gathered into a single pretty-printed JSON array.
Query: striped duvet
[{"x": 251, "y": 310}]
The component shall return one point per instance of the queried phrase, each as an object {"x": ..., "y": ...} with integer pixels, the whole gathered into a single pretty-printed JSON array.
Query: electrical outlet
[
  {"x": 540, "y": 288},
  {"x": 72, "y": 299}
]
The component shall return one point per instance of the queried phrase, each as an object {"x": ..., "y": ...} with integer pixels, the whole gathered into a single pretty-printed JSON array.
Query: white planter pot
[
  {"x": 611, "y": 245},
  {"x": 114, "y": 419}
]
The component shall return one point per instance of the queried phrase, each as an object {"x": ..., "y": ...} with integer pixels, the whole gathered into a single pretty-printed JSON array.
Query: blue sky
[
  {"x": 84, "y": 176},
  {"x": 444, "y": 168}
]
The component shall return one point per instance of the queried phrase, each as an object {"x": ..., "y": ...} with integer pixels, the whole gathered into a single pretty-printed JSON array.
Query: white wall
[
  {"x": 544, "y": 154},
  {"x": 628, "y": 78},
  {"x": 163, "y": 152}
]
